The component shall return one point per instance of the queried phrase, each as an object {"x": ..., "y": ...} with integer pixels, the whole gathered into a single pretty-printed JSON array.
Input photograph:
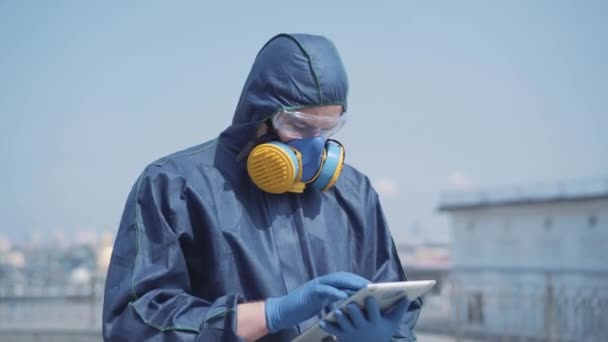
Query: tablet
[{"x": 387, "y": 294}]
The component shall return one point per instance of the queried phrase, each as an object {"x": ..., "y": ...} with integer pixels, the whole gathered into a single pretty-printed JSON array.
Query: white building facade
[{"x": 531, "y": 263}]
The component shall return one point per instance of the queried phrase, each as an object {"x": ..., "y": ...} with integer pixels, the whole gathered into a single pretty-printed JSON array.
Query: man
[{"x": 256, "y": 234}]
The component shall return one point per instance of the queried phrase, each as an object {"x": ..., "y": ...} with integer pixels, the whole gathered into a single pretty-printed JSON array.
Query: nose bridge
[{"x": 317, "y": 132}]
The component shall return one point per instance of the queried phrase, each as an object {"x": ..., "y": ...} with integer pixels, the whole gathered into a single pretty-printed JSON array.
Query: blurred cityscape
[
  {"x": 524, "y": 263},
  {"x": 41, "y": 267},
  {"x": 53, "y": 287}
]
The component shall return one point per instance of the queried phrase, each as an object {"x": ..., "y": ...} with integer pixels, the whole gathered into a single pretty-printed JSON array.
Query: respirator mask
[{"x": 308, "y": 157}]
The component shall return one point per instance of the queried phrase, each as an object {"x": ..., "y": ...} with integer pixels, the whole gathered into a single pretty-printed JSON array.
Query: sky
[{"x": 443, "y": 95}]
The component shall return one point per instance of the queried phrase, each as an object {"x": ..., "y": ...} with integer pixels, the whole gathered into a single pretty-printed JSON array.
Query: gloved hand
[
  {"x": 352, "y": 325},
  {"x": 307, "y": 300}
]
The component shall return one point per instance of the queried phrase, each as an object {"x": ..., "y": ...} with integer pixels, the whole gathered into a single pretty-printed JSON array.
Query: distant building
[{"x": 531, "y": 261}]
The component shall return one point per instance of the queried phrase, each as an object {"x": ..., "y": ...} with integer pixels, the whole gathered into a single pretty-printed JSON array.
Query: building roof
[{"x": 566, "y": 191}]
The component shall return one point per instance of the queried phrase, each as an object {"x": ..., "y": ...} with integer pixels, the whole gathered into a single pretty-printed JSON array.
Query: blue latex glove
[
  {"x": 309, "y": 299},
  {"x": 352, "y": 325}
]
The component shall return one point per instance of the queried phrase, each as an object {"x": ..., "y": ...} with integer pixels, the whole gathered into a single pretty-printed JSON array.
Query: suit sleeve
[{"x": 148, "y": 291}]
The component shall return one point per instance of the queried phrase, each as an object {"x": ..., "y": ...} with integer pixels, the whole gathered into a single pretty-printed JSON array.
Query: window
[
  {"x": 548, "y": 223},
  {"x": 592, "y": 221},
  {"x": 475, "y": 308}
]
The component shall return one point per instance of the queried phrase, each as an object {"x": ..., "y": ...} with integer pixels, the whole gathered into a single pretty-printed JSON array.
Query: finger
[
  {"x": 344, "y": 280},
  {"x": 329, "y": 294},
  {"x": 349, "y": 292},
  {"x": 343, "y": 321},
  {"x": 398, "y": 310},
  {"x": 331, "y": 328},
  {"x": 356, "y": 316},
  {"x": 373, "y": 310}
]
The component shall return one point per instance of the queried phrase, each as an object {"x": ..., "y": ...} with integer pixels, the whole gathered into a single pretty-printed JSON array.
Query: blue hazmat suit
[{"x": 197, "y": 237}]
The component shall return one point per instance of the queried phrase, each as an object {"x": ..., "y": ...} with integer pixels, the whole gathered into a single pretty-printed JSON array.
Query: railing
[
  {"x": 43, "y": 313},
  {"x": 50, "y": 335},
  {"x": 547, "y": 312}
]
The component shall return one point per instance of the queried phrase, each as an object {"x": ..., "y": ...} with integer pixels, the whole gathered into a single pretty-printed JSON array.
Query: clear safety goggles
[{"x": 302, "y": 125}]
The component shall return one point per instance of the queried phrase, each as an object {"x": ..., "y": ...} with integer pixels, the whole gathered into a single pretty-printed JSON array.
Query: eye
[
  {"x": 300, "y": 125},
  {"x": 328, "y": 126}
]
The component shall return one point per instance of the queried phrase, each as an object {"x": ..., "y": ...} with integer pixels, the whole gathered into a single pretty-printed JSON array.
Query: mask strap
[{"x": 270, "y": 135}]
